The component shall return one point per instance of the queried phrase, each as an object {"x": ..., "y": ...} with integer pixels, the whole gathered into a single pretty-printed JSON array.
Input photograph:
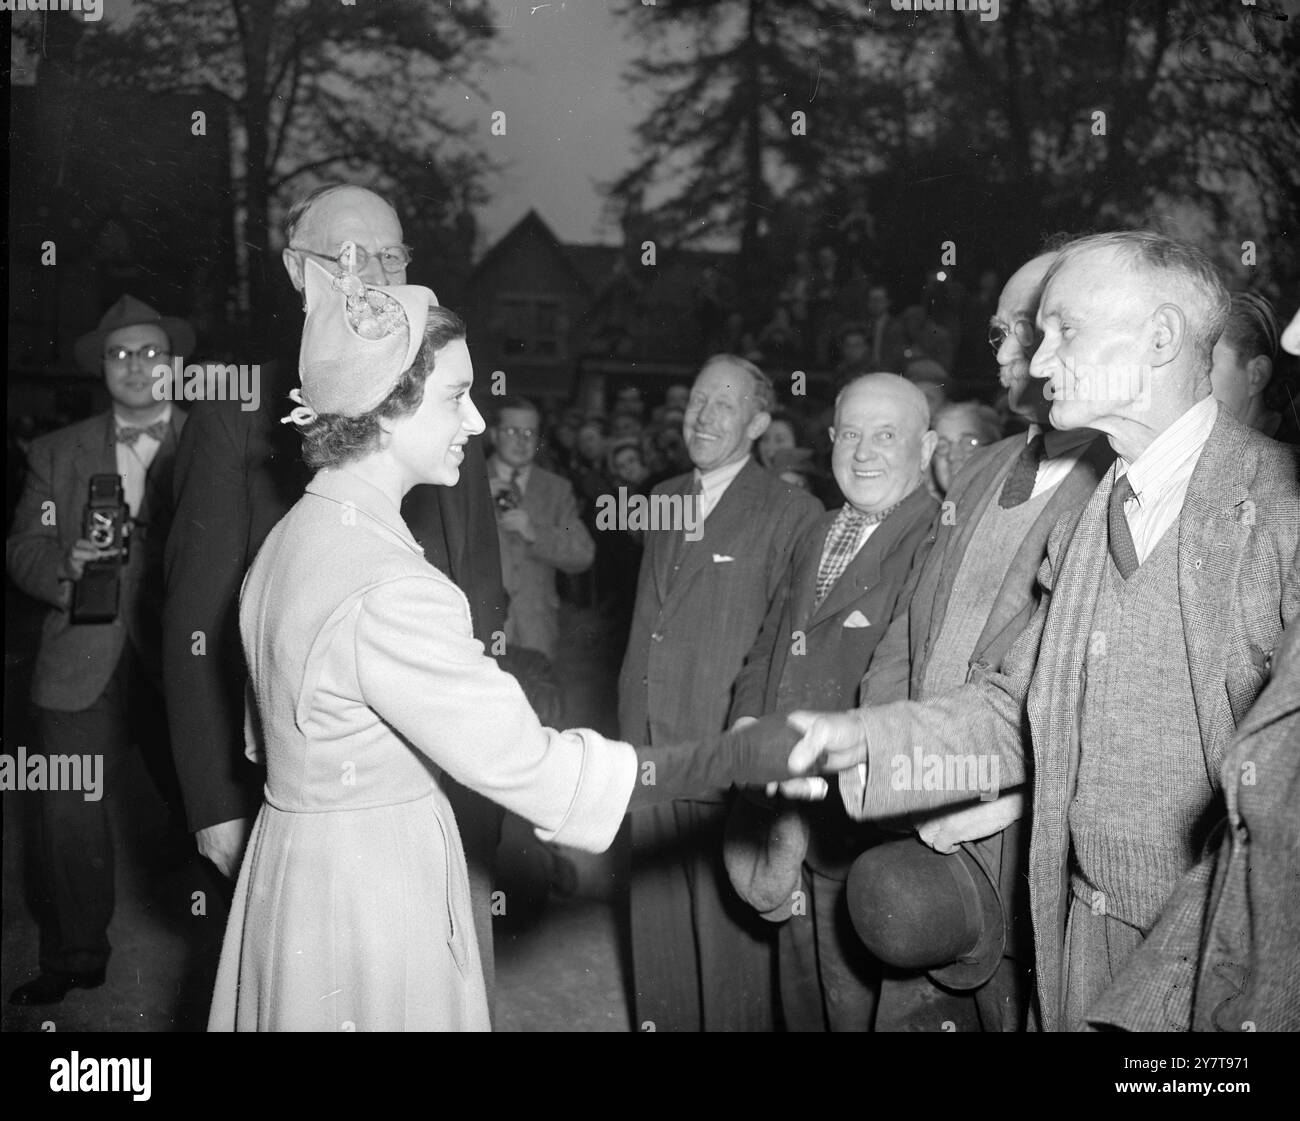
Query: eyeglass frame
[
  {"x": 363, "y": 256},
  {"x": 125, "y": 358},
  {"x": 512, "y": 431},
  {"x": 998, "y": 334}
]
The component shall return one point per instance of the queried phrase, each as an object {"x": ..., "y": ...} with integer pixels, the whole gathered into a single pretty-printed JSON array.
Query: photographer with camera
[
  {"x": 539, "y": 527},
  {"x": 87, "y": 541}
]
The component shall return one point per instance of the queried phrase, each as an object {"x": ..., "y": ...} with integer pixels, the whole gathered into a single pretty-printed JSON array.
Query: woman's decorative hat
[{"x": 357, "y": 340}]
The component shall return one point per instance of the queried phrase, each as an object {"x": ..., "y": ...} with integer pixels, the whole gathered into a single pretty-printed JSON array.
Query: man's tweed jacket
[
  {"x": 1237, "y": 585},
  {"x": 1225, "y": 955}
]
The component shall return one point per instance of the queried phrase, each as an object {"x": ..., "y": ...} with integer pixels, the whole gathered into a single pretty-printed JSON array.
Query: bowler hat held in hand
[{"x": 921, "y": 910}]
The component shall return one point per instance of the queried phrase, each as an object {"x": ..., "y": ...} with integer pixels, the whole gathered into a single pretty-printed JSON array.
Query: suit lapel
[
  {"x": 158, "y": 478},
  {"x": 863, "y": 571},
  {"x": 664, "y": 544},
  {"x": 981, "y": 491},
  {"x": 1211, "y": 538},
  {"x": 1069, "y": 497},
  {"x": 725, "y": 530},
  {"x": 804, "y": 587}
]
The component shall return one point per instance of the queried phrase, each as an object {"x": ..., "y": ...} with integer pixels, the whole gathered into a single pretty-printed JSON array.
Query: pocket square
[
  {"x": 718, "y": 558},
  {"x": 857, "y": 619}
]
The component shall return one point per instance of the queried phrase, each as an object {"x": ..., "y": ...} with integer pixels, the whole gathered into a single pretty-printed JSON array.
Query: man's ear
[
  {"x": 293, "y": 266},
  {"x": 1259, "y": 371},
  {"x": 758, "y": 425},
  {"x": 929, "y": 442},
  {"x": 1169, "y": 335}
]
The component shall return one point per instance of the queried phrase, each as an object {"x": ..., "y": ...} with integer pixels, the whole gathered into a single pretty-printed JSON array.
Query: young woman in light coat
[{"x": 352, "y": 907}]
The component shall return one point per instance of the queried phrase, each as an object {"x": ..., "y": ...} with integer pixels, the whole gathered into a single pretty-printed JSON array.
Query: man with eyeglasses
[
  {"x": 972, "y": 594},
  {"x": 97, "y": 684},
  {"x": 237, "y": 474},
  {"x": 540, "y": 530}
]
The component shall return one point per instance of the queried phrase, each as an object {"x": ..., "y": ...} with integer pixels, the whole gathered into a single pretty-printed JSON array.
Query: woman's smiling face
[{"x": 429, "y": 443}]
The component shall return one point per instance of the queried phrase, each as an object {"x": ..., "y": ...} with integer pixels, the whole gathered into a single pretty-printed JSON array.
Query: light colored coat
[
  {"x": 528, "y": 568},
  {"x": 1237, "y": 586},
  {"x": 352, "y": 908}
]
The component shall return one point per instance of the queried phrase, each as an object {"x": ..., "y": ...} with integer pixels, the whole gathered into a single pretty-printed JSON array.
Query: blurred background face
[
  {"x": 881, "y": 446},
  {"x": 624, "y": 426},
  {"x": 1092, "y": 317},
  {"x": 779, "y": 435},
  {"x": 959, "y": 436},
  {"x": 877, "y": 302},
  {"x": 628, "y": 467},
  {"x": 350, "y": 214},
  {"x": 722, "y": 420},
  {"x": 129, "y": 378},
  {"x": 1230, "y": 380},
  {"x": 677, "y": 397},
  {"x": 591, "y": 444},
  {"x": 853, "y": 350},
  {"x": 515, "y": 437}
]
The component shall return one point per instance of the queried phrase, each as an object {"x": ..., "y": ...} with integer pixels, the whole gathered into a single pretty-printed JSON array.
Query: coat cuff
[{"x": 605, "y": 782}]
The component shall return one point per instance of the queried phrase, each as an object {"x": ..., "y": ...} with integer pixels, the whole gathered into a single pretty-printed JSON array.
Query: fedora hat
[
  {"x": 921, "y": 910},
  {"x": 130, "y": 312}
]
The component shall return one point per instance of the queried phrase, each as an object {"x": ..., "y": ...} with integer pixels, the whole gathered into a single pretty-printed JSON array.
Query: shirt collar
[
  {"x": 340, "y": 485},
  {"x": 120, "y": 421},
  {"x": 1173, "y": 453},
  {"x": 503, "y": 471},
  {"x": 1058, "y": 442},
  {"x": 720, "y": 478}
]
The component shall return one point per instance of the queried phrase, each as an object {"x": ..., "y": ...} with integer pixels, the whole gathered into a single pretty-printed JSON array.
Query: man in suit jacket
[
  {"x": 701, "y": 959},
  {"x": 96, "y": 685},
  {"x": 237, "y": 473},
  {"x": 847, "y": 573},
  {"x": 540, "y": 530},
  {"x": 1160, "y": 608},
  {"x": 1225, "y": 955},
  {"x": 970, "y": 596}
]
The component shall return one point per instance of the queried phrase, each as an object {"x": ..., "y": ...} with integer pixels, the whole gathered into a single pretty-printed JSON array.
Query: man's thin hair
[
  {"x": 1196, "y": 280},
  {"x": 763, "y": 392}
]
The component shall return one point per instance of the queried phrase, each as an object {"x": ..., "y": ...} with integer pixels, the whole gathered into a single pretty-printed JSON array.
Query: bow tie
[
  {"x": 127, "y": 435},
  {"x": 849, "y": 517}
]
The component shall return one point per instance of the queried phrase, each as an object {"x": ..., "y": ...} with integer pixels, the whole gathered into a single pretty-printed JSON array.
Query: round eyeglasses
[
  {"x": 1022, "y": 329},
  {"x": 393, "y": 259}
]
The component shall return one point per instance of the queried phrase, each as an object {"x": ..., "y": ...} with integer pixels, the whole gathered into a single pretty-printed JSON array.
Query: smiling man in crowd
[
  {"x": 846, "y": 576},
  {"x": 703, "y": 960}
]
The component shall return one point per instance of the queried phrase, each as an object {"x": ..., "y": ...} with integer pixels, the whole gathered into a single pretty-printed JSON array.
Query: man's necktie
[
  {"x": 1020, "y": 483},
  {"x": 1122, "y": 550},
  {"x": 127, "y": 435},
  {"x": 841, "y": 546},
  {"x": 516, "y": 492}
]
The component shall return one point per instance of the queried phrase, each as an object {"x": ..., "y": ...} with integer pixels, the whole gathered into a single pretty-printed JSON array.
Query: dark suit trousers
[
  {"x": 829, "y": 982},
  {"x": 702, "y": 959},
  {"x": 74, "y": 894}
]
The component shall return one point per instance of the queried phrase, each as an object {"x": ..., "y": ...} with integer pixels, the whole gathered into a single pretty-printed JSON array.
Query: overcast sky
[{"x": 569, "y": 116}]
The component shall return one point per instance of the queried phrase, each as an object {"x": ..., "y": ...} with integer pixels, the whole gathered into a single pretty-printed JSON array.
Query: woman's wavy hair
[{"x": 331, "y": 440}]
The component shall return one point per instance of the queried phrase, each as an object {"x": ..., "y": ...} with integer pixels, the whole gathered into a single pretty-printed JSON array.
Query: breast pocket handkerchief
[{"x": 857, "y": 619}]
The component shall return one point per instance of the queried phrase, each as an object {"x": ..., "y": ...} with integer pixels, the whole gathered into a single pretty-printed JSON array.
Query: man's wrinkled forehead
[
  {"x": 1084, "y": 281},
  {"x": 720, "y": 379},
  {"x": 351, "y": 214}
]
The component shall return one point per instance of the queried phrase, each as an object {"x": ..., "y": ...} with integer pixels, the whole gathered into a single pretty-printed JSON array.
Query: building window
[{"x": 531, "y": 326}]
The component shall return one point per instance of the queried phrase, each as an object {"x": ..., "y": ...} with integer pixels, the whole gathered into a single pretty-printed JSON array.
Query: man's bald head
[
  {"x": 1014, "y": 317},
  {"x": 881, "y": 441},
  {"x": 888, "y": 385},
  {"x": 322, "y": 221}
]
